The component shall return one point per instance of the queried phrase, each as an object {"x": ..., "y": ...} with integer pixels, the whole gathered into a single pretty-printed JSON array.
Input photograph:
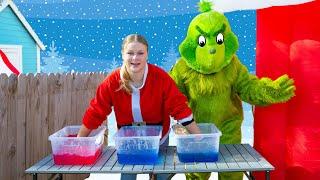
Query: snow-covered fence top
[{"x": 32, "y": 107}]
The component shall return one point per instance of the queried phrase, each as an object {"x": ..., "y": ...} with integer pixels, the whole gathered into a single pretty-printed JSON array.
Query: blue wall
[{"x": 12, "y": 32}]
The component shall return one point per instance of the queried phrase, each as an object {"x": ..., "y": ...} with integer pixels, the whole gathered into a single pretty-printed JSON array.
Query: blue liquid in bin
[
  {"x": 138, "y": 144},
  {"x": 198, "y": 157},
  {"x": 138, "y": 157}
]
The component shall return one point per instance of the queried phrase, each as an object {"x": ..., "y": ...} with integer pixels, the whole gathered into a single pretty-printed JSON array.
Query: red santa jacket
[{"x": 156, "y": 100}]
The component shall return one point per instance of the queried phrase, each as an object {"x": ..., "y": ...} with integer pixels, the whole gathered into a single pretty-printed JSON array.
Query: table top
[{"x": 232, "y": 157}]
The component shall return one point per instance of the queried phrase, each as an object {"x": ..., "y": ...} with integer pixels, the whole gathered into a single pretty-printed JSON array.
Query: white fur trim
[
  {"x": 135, "y": 99},
  {"x": 189, "y": 118},
  {"x": 136, "y": 110},
  {"x": 165, "y": 137}
]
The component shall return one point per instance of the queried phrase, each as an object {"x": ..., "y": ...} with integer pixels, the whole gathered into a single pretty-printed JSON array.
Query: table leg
[
  {"x": 34, "y": 176},
  {"x": 154, "y": 177},
  {"x": 267, "y": 175},
  {"x": 60, "y": 177},
  {"x": 251, "y": 175}
]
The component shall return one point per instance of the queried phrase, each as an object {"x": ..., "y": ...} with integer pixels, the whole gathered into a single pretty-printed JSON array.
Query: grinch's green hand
[{"x": 280, "y": 90}]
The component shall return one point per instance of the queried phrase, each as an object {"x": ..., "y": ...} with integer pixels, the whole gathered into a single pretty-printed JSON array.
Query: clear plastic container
[
  {"x": 202, "y": 147},
  {"x": 138, "y": 144},
  {"x": 67, "y": 149}
]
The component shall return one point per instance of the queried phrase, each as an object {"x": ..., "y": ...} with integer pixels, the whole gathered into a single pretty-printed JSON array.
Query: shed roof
[{"x": 23, "y": 20}]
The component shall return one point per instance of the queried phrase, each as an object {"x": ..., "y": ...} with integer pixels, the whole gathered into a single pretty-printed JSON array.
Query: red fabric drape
[{"x": 288, "y": 135}]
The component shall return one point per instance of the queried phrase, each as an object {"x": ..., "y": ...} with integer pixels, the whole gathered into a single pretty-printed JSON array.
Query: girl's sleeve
[
  {"x": 176, "y": 103},
  {"x": 99, "y": 108}
]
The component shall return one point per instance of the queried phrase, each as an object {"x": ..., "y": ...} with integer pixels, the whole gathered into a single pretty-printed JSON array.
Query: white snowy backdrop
[{"x": 88, "y": 34}]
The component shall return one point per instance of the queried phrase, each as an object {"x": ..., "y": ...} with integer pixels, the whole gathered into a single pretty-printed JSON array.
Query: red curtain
[{"x": 288, "y": 135}]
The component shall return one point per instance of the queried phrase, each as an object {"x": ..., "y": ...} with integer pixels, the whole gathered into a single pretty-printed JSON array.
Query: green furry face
[{"x": 210, "y": 43}]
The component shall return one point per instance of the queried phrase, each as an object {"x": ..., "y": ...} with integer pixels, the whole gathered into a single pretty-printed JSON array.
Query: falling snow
[{"x": 90, "y": 37}]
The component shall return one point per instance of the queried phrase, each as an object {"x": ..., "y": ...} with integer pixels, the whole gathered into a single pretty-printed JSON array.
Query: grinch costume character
[{"x": 215, "y": 81}]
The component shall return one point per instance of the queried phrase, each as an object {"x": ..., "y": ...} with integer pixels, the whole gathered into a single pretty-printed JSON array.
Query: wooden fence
[{"x": 32, "y": 107}]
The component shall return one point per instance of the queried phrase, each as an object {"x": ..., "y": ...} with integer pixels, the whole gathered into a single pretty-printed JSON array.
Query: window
[{"x": 14, "y": 55}]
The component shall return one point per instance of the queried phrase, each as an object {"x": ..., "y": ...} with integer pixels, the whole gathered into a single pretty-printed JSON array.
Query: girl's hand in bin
[
  {"x": 84, "y": 131},
  {"x": 192, "y": 128},
  {"x": 179, "y": 129}
]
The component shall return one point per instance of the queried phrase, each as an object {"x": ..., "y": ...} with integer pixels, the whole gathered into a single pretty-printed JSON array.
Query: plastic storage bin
[
  {"x": 202, "y": 147},
  {"x": 138, "y": 144},
  {"x": 67, "y": 149}
]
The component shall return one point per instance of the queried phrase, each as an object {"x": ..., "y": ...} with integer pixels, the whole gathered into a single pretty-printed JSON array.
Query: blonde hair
[{"x": 125, "y": 76}]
